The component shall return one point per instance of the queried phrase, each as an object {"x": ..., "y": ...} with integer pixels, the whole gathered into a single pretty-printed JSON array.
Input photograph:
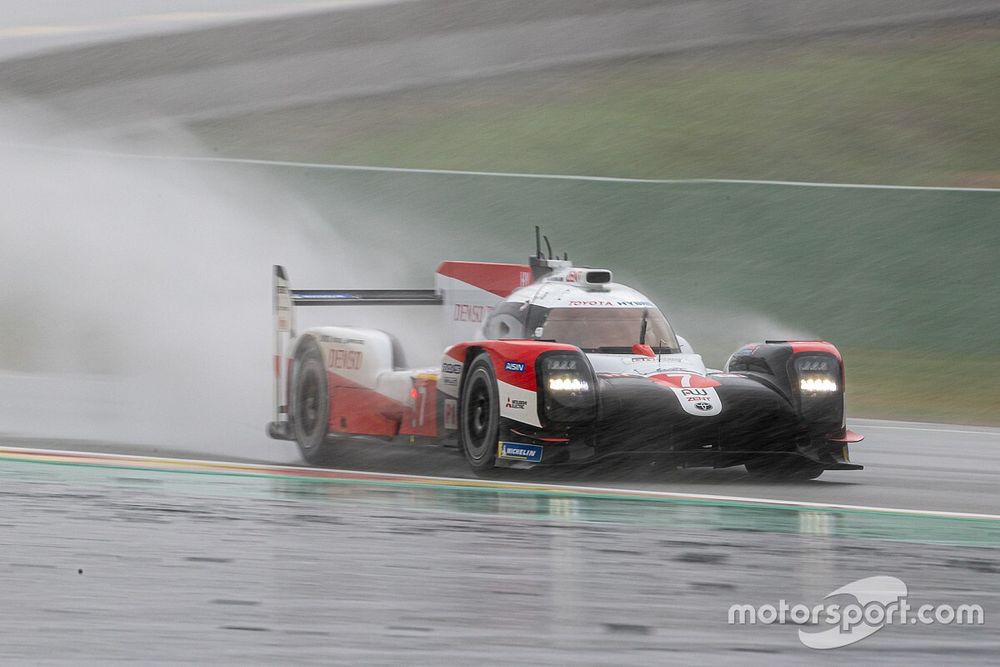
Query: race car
[{"x": 547, "y": 364}]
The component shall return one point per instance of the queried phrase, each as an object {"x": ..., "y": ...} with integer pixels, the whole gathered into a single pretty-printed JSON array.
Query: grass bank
[
  {"x": 904, "y": 281},
  {"x": 901, "y": 107}
]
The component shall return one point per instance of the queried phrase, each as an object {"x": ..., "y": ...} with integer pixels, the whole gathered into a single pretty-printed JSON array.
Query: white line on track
[
  {"x": 926, "y": 428},
  {"x": 98, "y": 458},
  {"x": 498, "y": 174},
  {"x": 935, "y": 430}
]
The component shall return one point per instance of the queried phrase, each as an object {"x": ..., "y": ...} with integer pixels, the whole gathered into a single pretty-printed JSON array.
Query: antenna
[{"x": 543, "y": 263}]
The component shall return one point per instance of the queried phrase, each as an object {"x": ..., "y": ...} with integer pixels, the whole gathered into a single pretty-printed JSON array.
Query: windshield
[{"x": 612, "y": 330}]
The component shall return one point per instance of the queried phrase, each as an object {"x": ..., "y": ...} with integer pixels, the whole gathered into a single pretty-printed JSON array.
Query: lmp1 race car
[{"x": 550, "y": 364}]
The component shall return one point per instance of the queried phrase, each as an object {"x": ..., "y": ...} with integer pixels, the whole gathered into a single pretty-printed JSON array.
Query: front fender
[
  {"x": 515, "y": 366},
  {"x": 777, "y": 363}
]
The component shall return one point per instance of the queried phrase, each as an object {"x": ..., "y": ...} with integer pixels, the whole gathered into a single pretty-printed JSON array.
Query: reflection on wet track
[{"x": 121, "y": 560}]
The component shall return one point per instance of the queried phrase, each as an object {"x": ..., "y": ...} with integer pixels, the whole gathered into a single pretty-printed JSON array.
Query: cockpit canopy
[{"x": 612, "y": 330}]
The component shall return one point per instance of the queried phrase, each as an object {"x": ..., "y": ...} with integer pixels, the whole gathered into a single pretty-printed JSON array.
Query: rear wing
[
  {"x": 286, "y": 298},
  {"x": 466, "y": 291},
  {"x": 365, "y": 297},
  {"x": 284, "y": 301},
  {"x": 470, "y": 289}
]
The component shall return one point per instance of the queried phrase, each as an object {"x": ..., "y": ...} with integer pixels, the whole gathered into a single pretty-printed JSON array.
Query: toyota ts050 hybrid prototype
[{"x": 550, "y": 364}]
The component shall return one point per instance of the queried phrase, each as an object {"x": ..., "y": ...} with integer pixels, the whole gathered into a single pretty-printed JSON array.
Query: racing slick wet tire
[
  {"x": 784, "y": 469},
  {"x": 479, "y": 416},
  {"x": 310, "y": 407}
]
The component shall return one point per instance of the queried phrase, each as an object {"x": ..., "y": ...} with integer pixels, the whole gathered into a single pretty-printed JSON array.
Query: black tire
[
  {"x": 479, "y": 415},
  {"x": 310, "y": 406},
  {"x": 784, "y": 469}
]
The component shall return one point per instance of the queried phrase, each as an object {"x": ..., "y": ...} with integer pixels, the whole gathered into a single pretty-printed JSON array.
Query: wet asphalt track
[
  {"x": 196, "y": 567},
  {"x": 102, "y": 563},
  {"x": 908, "y": 465}
]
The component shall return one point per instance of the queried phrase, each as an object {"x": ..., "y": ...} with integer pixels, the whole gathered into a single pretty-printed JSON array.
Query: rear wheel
[
  {"x": 784, "y": 468},
  {"x": 479, "y": 416},
  {"x": 311, "y": 406}
]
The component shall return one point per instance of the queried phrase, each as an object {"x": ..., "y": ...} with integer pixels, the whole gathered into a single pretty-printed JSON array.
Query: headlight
[
  {"x": 817, "y": 375},
  {"x": 820, "y": 390},
  {"x": 817, "y": 384},
  {"x": 567, "y": 387},
  {"x": 568, "y": 383}
]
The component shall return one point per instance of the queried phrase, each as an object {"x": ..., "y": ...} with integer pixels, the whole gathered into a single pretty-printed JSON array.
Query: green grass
[
  {"x": 949, "y": 386},
  {"x": 904, "y": 281},
  {"x": 903, "y": 110}
]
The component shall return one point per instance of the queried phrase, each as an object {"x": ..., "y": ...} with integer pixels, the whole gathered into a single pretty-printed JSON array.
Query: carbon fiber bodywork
[{"x": 762, "y": 415}]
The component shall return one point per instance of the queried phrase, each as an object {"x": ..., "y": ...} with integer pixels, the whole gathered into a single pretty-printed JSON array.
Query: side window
[
  {"x": 535, "y": 319},
  {"x": 507, "y": 321}
]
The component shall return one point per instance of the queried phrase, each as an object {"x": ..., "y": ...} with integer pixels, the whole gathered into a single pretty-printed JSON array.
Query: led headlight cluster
[
  {"x": 567, "y": 387},
  {"x": 817, "y": 384},
  {"x": 817, "y": 374},
  {"x": 562, "y": 383},
  {"x": 820, "y": 389}
]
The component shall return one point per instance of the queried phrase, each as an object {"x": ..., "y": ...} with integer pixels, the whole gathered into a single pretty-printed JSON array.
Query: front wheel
[
  {"x": 784, "y": 469},
  {"x": 310, "y": 407},
  {"x": 479, "y": 415}
]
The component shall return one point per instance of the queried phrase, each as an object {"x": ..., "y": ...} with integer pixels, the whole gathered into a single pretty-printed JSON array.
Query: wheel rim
[
  {"x": 309, "y": 403},
  {"x": 478, "y": 418}
]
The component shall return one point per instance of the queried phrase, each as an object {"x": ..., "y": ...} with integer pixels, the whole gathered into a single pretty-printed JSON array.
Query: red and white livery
[{"x": 549, "y": 363}]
